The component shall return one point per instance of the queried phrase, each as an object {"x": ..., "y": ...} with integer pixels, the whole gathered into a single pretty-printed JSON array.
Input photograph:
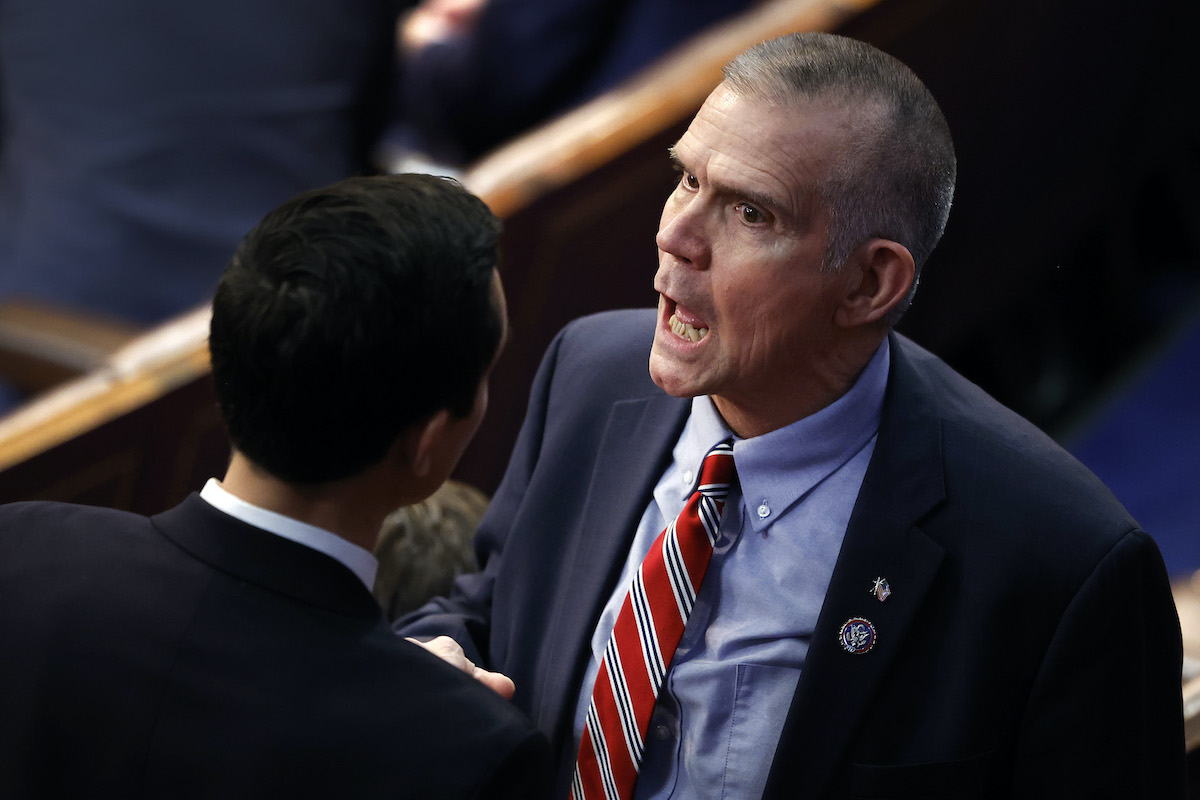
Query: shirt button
[
  {"x": 687, "y": 477},
  {"x": 764, "y": 511}
]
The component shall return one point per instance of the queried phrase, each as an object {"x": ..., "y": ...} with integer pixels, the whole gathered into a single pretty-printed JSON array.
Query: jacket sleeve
[{"x": 1105, "y": 715}]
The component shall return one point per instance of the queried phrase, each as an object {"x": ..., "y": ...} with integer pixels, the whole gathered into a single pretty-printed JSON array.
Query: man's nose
[{"x": 681, "y": 233}]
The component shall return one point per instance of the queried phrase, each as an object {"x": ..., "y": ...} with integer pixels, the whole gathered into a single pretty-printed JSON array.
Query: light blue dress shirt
[{"x": 715, "y": 727}]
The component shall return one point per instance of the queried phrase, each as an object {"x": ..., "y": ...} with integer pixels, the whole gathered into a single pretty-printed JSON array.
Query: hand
[{"x": 449, "y": 651}]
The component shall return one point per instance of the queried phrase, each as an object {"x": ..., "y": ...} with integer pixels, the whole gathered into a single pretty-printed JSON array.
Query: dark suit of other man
[
  {"x": 190, "y": 654},
  {"x": 231, "y": 647}
]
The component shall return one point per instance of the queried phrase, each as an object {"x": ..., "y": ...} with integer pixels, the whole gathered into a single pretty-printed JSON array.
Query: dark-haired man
[
  {"x": 908, "y": 591},
  {"x": 231, "y": 647}
]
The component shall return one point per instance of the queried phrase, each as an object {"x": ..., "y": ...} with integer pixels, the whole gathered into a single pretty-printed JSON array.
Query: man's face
[{"x": 745, "y": 312}]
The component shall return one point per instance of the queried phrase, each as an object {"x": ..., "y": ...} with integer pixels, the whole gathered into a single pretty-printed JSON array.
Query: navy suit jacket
[
  {"x": 1030, "y": 647},
  {"x": 192, "y": 655}
]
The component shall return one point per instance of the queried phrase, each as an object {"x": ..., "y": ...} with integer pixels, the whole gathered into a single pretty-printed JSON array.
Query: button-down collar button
[{"x": 764, "y": 511}]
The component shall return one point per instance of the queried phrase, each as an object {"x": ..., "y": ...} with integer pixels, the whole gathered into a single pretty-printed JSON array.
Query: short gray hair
[{"x": 896, "y": 179}]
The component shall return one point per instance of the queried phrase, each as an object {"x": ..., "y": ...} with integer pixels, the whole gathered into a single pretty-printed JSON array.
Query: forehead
[{"x": 784, "y": 151}]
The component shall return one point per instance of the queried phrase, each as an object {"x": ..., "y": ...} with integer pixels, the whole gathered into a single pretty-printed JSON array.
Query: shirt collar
[
  {"x": 356, "y": 559},
  {"x": 784, "y": 465}
]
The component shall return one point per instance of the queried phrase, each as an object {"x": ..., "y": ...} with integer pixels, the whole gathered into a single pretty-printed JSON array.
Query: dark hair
[
  {"x": 350, "y": 313},
  {"x": 896, "y": 179}
]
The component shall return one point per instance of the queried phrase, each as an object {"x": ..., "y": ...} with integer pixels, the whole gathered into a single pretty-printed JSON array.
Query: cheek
[
  {"x": 481, "y": 402},
  {"x": 764, "y": 313},
  {"x": 480, "y": 409}
]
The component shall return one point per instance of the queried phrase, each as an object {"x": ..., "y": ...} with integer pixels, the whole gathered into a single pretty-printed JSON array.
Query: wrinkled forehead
[{"x": 783, "y": 149}]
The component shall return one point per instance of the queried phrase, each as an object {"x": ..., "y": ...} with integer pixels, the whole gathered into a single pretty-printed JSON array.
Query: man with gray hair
[{"x": 800, "y": 557}]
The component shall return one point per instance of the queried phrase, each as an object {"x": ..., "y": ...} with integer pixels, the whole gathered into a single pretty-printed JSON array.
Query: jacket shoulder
[
  {"x": 605, "y": 356},
  {"x": 1009, "y": 470}
]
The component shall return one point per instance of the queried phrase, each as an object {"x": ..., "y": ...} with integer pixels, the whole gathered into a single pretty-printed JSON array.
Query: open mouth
[
  {"x": 685, "y": 331},
  {"x": 684, "y": 324}
]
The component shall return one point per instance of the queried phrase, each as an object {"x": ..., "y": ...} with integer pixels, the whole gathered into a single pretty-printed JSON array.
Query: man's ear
[
  {"x": 880, "y": 273},
  {"x": 423, "y": 443}
]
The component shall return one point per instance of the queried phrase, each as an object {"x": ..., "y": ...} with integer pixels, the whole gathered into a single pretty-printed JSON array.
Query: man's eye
[
  {"x": 750, "y": 213},
  {"x": 690, "y": 181}
]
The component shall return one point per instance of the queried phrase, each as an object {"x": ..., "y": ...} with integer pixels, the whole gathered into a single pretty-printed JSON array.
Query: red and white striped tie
[{"x": 644, "y": 638}]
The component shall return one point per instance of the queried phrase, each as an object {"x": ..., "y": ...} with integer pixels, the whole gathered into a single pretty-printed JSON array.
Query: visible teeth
[{"x": 685, "y": 331}]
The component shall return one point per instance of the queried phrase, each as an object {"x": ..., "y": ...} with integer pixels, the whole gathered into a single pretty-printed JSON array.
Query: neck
[
  {"x": 352, "y": 508},
  {"x": 781, "y": 404}
]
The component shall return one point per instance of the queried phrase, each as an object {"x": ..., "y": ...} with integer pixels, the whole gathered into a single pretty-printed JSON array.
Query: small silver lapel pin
[{"x": 881, "y": 589}]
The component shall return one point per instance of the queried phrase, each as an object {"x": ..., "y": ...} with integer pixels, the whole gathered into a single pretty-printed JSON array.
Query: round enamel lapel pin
[{"x": 857, "y": 636}]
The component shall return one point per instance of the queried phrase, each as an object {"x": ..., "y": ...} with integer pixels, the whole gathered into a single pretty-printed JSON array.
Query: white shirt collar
[{"x": 356, "y": 559}]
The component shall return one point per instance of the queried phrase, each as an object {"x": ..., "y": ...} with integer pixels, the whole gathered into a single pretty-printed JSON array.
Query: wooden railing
[
  {"x": 42, "y": 346},
  {"x": 138, "y": 432}
]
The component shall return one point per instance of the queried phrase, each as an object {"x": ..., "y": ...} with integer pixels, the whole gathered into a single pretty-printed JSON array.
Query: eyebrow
[{"x": 755, "y": 198}]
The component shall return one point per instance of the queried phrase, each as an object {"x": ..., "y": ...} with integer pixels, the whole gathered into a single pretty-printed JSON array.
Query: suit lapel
[
  {"x": 904, "y": 481},
  {"x": 256, "y": 556},
  {"x": 634, "y": 450}
]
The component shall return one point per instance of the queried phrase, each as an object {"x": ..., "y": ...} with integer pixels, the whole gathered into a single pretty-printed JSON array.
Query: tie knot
[{"x": 717, "y": 472}]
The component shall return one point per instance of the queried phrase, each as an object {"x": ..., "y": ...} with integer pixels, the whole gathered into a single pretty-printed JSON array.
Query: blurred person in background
[
  {"x": 475, "y": 73},
  {"x": 139, "y": 141}
]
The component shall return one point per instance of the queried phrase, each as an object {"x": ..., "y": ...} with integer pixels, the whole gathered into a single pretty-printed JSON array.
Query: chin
[{"x": 671, "y": 377}]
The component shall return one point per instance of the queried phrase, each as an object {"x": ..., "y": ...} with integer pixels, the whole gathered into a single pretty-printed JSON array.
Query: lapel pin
[
  {"x": 857, "y": 636},
  {"x": 881, "y": 590}
]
